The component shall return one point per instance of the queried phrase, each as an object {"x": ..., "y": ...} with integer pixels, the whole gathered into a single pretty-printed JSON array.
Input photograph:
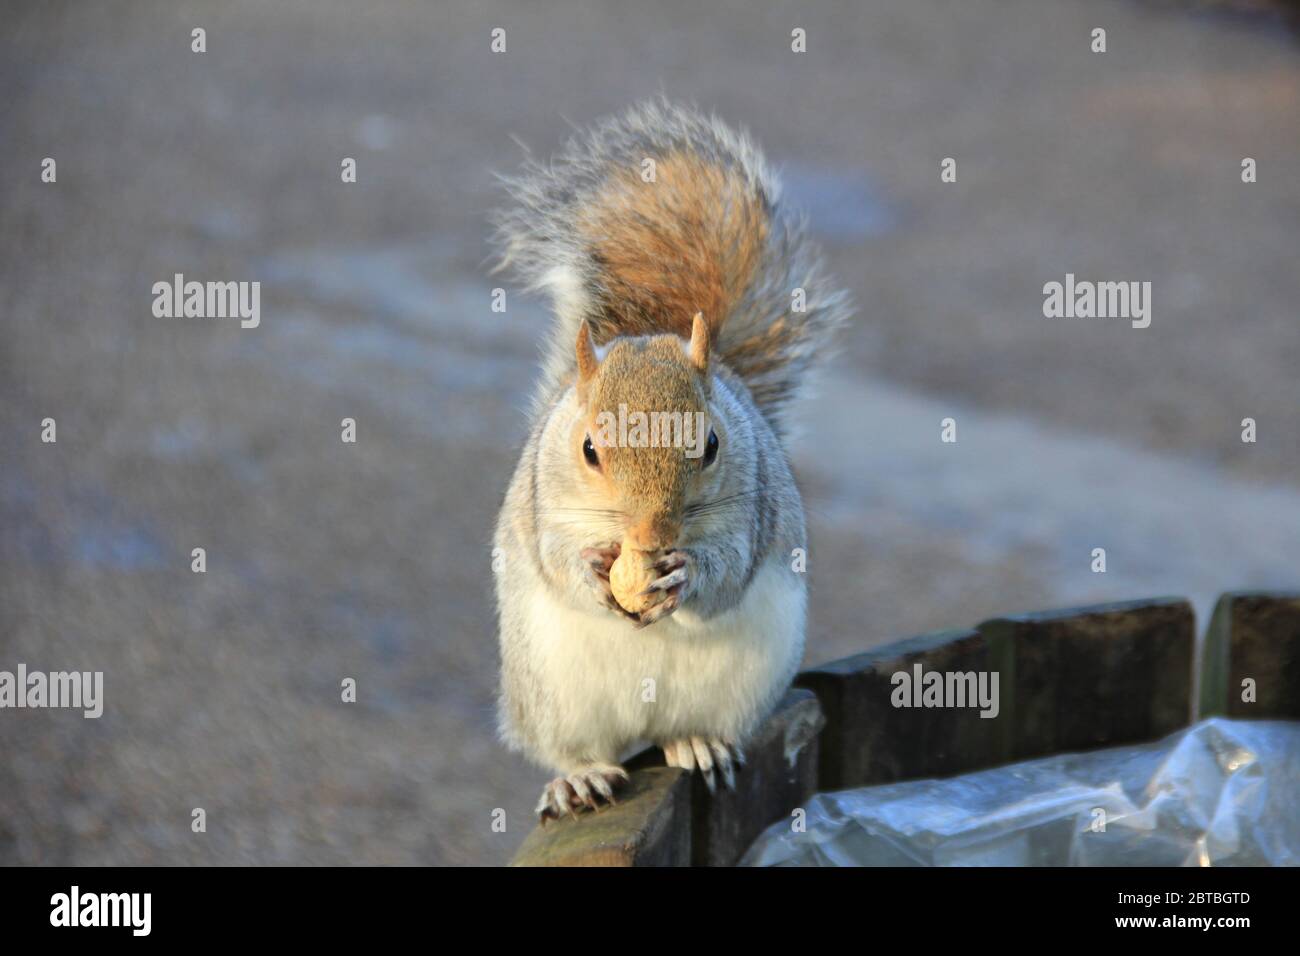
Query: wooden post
[
  {"x": 1096, "y": 676},
  {"x": 868, "y": 740},
  {"x": 1252, "y": 649}
]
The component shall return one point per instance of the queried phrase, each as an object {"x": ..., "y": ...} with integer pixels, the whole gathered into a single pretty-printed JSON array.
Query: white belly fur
[{"x": 715, "y": 677}]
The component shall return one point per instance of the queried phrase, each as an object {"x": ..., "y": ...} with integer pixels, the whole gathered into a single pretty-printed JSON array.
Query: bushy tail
[{"x": 658, "y": 214}]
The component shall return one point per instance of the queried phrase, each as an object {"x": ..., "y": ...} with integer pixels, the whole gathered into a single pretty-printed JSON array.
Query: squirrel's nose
[{"x": 654, "y": 533}]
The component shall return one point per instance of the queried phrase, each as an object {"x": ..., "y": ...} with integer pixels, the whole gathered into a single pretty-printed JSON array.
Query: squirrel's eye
[
  {"x": 589, "y": 453},
  {"x": 711, "y": 449}
]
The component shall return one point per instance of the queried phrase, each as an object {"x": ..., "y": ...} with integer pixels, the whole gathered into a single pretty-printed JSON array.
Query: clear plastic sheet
[{"x": 1221, "y": 793}]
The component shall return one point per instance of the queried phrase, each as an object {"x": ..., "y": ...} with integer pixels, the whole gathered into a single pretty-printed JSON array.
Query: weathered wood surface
[
  {"x": 1067, "y": 680},
  {"x": 1255, "y": 637},
  {"x": 1095, "y": 676},
  {"x": 867, "y": 740},
  {"x": 650, "y": 826}
]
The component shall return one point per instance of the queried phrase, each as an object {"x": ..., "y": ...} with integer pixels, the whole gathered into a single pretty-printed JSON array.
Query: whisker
[
  {"x": 708, "y": 507},
  {"x": 586, "y": 520}
]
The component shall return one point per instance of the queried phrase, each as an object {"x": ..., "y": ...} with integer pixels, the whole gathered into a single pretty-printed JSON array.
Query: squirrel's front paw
[
  {"x": 599, "y": 561},
  {"x": 670, "y": 588},
  {"x": 589, "y": 787}
]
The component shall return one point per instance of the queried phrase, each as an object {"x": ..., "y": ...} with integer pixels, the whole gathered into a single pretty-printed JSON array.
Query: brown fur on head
[{"x": 655, "y": 375}]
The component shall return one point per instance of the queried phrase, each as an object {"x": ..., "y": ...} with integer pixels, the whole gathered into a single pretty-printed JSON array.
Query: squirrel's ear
[
  {"x": 587, "y": 361},
  {"x": 700, "y": 342}
]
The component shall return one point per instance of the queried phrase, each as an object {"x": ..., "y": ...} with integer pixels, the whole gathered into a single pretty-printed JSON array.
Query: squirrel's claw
[
  {"x": 722, "y": 759},
  {"x": 707, "y": 754},
  {"x": 674, "y": 570},
  {"x": 659, "y": 611},
  {"x": 670, "y": 562},
  {"x": 590, "y": 788},
  {"x": 667, "y": 581}
]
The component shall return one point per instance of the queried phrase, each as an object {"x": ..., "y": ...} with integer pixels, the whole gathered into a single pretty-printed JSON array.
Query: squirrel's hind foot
[
  {"x": 589, "y": 788},
  {"x": 708, "y": 754}
]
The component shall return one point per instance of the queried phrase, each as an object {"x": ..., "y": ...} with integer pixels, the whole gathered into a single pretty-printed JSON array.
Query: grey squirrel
[{"x": 676, "y": 279}]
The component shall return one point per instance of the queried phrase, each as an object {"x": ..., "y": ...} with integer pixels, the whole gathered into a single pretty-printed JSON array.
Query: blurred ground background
[{"x": 328, "y": 560}]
